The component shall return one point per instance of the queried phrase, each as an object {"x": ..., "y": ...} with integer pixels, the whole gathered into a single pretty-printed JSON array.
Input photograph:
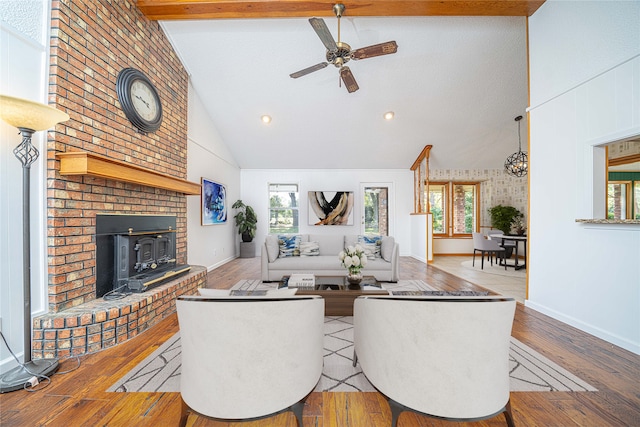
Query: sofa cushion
[
  {"x": 330, "y": 244},
  {"x": 386, "y": 248},
  {"x": 309, "y": 249},
  {"x": 289, "y": 245},
  {"x": 371, "y": 245},
  {"x": 307, "y": 264},
  {"x": 376, "y": 264},
  {"x": 350, "y": 240},
  {"x": 273, "y": 247}
]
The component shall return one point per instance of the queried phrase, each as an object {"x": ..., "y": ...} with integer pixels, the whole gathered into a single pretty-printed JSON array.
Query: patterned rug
[
  {"x": 495, "y": 268},
  {"x": 530, "y": 371}
]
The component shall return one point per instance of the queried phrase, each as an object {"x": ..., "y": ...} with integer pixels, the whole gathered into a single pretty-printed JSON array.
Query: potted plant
[
  {"x": 246, "y": 220},
  {"x": 504, "y": 217}
]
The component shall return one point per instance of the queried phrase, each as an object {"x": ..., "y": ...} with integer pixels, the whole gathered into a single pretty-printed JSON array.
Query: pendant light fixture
[{"x": 517, "y": 164}]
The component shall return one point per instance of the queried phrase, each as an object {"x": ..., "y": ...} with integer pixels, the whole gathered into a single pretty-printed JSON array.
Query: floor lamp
[{"x": 28, "y": 117}]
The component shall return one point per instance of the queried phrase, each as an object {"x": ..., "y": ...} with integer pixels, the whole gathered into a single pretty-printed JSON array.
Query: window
[
  {"x": 376, "y": 210},
  {"x": 618, "y": 193},
  {"x": 283, "y": 208},
  {"x": 455, "y": 208}
]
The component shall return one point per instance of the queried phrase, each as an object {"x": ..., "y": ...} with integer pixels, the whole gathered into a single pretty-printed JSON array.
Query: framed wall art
[
  {"x": 214, "y": 203},
  {"x": 331, "y": 207}
]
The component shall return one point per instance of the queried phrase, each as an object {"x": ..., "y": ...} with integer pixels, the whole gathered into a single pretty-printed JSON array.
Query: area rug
[
  {"x": 494, "y": 269},
  {"x": 530, "y": 371}
]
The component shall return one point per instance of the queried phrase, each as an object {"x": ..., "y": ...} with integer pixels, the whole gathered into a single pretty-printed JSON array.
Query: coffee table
[{"x": 338, "y": 294}]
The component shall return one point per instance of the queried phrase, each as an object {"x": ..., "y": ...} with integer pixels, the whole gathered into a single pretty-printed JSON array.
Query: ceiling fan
[{"x": 340, "y": 53}]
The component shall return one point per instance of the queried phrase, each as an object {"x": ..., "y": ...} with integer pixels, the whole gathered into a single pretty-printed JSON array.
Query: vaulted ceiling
[{"x": 457, "y": 81}]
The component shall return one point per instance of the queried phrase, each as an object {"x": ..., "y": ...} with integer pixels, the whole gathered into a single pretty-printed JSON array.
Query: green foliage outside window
[{"x": 283, "y": 209}]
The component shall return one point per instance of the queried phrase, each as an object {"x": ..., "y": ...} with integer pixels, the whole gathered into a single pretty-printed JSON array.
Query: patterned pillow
[
  {"x": 289, "y": 245},
  {"x": 309, "y": 249},
  {"x": 371, "y": 245}
]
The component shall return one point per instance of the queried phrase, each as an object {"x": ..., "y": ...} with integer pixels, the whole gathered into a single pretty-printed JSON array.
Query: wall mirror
[{"x": 623, "y": 180}]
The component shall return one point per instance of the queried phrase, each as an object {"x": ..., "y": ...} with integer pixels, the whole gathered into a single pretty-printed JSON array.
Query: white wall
[
  {"x": 24, "y": 52},
  {"x": 208, "y": 157},
  {"x": 255, "y": 192},
  {"x": 585, "y": 90}
]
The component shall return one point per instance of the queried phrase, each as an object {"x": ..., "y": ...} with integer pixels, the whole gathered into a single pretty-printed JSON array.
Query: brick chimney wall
[{"x": 91, "y": 41}]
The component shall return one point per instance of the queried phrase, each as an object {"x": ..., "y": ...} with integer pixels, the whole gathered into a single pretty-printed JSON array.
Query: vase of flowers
[{"x": 353, "y": 259}]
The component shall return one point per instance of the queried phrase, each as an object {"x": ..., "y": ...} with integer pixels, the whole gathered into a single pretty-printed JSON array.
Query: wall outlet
[{"x": 215, "y": 252}]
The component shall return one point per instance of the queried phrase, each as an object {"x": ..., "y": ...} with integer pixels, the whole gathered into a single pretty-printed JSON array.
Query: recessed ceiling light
[
  {"x": 389, "y": 115},
  {"x": 266, "y": 119}
]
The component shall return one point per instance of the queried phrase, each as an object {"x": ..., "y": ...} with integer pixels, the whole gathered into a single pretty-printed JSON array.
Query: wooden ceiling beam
[{"x": 246, "y": 9}]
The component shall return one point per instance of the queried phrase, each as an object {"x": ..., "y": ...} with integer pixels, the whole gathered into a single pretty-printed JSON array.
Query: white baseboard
[
  {"x": 585, "y": 327},
  {"x": 221, "y": 263}
]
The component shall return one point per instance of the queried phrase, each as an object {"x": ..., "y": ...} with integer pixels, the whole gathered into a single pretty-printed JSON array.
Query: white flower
[
  {"x": 348, "y": 261},
  {"x": 355, "y": 260},
  {"x": 341, "y": 255}
]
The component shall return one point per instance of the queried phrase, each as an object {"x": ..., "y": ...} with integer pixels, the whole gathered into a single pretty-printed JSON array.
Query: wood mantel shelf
[{"x": 85, "y": 163}]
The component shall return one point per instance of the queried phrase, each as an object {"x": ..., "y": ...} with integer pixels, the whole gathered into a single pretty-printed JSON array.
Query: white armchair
[
  {"x": 249, "y": 357},
  {"x": 445, "y": 357}
]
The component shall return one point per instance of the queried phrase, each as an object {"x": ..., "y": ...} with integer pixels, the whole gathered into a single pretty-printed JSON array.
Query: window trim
[
  {"x": 449, "y": 211},
  {"x": 293, "y": 208}
]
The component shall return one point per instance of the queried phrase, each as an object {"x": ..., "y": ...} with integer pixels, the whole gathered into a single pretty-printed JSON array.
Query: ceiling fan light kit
[
  {"x": 339, "y": 53},
  {"x": 517, "y": 164}
]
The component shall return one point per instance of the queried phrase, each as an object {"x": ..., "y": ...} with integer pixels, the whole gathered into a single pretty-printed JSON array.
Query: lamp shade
[{"x": 23, "y": 113}]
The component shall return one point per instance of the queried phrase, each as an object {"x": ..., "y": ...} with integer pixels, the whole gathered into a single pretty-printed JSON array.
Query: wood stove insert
[{"x": 135, "y": 253}]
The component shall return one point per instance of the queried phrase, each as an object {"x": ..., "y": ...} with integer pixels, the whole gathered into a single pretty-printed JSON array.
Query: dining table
[{"x": 517, "y": 239}]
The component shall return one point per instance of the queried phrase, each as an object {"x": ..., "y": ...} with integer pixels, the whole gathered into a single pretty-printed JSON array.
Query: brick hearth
[{"x": 101, "y": 324}]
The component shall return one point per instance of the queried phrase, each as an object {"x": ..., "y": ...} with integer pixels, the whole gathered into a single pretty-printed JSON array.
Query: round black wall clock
[{"x": 139, "y": 100}]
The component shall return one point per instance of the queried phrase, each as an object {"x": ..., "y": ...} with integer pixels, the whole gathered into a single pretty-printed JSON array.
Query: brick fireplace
[{"x": 91, "y": 41}]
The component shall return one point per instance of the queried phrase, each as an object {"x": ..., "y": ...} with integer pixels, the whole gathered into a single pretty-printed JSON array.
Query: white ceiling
[{"x": 456, "y": 83}]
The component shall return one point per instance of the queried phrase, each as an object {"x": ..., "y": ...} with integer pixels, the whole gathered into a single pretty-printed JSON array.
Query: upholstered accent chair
[
  {"x": 246, "y": 358},
  {"x": 444, "y": 357}
]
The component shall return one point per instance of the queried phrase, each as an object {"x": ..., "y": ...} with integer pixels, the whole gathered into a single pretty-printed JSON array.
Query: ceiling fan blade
[
  {"x": 308, "y": 70},
  {"x": 348, "y": 79},
  {"x": 323, "y": 32},
  {"x": 375, "y": 50}
]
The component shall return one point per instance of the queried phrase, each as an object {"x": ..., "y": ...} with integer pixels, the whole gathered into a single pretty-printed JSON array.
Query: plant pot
[
  {"x": 354, "y": 278},
  {"x": 246, "y": 237}
]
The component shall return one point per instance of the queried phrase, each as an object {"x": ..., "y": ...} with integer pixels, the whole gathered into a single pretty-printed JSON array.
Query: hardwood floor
[{"x": 79, "y": 398}]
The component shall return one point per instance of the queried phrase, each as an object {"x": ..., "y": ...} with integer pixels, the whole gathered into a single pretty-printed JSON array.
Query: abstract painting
[
  {"x": 214, "y": 203},
  {"x": 331, "y": 207}
]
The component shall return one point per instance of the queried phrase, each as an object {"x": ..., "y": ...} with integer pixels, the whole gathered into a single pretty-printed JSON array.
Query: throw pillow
[
  {"x": 289, "y": 245},
  {"x": 386, "y": 248},
  {"x": 273, "y": 247},
  {"x": 371, "y": 245},
  {"x": 309, "y": 249}
]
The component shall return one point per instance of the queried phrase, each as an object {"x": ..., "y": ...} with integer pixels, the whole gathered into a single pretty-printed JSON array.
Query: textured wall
[
  {"x": 91, "y": 41},
  {"x": 497, "y": 188}
]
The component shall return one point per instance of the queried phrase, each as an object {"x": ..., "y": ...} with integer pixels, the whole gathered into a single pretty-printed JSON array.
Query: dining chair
[
  {"x": 491, "y": 247},
  {"x": 509, "y": 245}
]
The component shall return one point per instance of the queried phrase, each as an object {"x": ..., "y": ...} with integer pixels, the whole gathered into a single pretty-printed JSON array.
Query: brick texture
[
  {"x": 91, "y": 42},
  {"x": 101, "y": 324}
]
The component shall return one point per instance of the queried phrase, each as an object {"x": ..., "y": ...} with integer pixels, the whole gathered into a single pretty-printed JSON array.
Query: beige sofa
[{"x": 326, "y": 263}]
